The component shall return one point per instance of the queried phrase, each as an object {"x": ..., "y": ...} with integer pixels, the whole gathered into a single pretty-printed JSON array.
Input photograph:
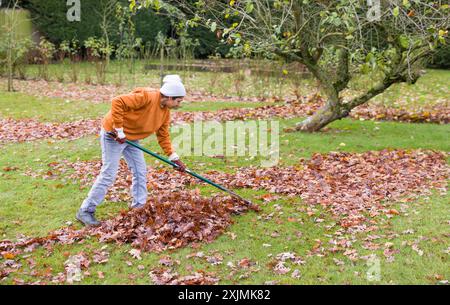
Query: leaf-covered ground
[
  {"x": 348, "y": 185},
  {"x": 355, "y": 189},
  {"x": 357, "y": 197},
  {"x": 431, "y": 88},
  {"x": 170, "y": 220},
  {"x": 99, "y": 93},
  {"x": 28, "y": 130},
  {"x": 13, "y": 130},
  {"x": 427, "y": 101}
]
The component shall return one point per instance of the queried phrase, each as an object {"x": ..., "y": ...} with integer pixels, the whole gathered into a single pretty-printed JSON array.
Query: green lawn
[
  {"x": 214, "y": 106},
  {"x": 35, "y": 206},
  {"x": 433, "y": 87},
  {"x": 23, "y": 106}
]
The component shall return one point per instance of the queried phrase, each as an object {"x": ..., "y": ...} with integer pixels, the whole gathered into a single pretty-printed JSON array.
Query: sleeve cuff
[
  {"x": 174, "y": 157},
  {"x": 120, "y": 133}
]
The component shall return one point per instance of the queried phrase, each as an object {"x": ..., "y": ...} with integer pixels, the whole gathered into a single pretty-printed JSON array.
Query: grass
[
  {"x": 34, "y": 206},
  {"x": 249, "y": 241},
  {"x": 358, "y": 136},
  {"x": 433, "y": 87},
  {"x": 23, "y": 106},
  {"x": 215, "y": 106}
]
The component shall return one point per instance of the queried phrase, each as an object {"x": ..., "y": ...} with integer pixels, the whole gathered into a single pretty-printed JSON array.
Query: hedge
[{"x": 50, "y": 19}]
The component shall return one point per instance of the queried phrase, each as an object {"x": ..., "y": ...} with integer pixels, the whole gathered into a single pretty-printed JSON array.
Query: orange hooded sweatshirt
[{"x": 140, "y": 114}]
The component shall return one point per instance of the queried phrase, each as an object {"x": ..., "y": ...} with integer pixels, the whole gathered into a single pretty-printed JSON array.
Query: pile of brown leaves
[
  {"x": 28, "y": 129},
  {"x": 351, "y": 185},
  {"x": 168, "y": 221},
  {"x": 171, "y": 220}
]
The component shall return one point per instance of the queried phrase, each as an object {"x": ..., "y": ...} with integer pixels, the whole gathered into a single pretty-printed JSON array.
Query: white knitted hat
[
  {"x": 173, "y": 88},
  {"x": 172, "y": 77}
]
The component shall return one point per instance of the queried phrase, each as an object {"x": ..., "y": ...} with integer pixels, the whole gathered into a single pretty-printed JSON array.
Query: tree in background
[
  {"x": 129, "y": 46},
  {"x": 441, "y": 59},
  {"x": 69, "y": 55},
  {"x": 45, "y": 51},
  {"x": 106, "y": 10},
  {"x": 13, "y": 44},
  {"x": 148, "y": 24},
  {"x": 98, "y": 52},
  {"x": 49, "y": 17},
  {"x": 338, "y": 41}
]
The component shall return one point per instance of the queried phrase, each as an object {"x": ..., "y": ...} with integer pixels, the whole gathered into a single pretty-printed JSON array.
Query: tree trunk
[
  {"x": 322, "y": 117},
  {"x": 10, "y": 69},
  {"x": 161, "y": 63},
  {"x": 336, "y": 110}
]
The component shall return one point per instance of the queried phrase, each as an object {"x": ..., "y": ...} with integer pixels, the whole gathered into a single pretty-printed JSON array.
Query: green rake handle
[{"x": 186, "y": 170}]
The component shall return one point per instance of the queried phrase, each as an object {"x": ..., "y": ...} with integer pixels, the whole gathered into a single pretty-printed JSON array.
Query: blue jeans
[{"x": 111, "y": 153}]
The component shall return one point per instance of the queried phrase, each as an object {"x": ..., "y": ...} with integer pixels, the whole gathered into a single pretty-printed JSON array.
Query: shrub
[{"x": 98, "y": 52}]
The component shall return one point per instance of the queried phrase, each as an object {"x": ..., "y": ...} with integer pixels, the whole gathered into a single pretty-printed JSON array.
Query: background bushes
[
  {"x": 441, "y": 60},
  {"x": 49, "y": 18}
]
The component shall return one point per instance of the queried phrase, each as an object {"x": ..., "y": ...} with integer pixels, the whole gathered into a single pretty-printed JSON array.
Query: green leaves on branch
[
  {"x": 19, "y": 48},
  {"x": 213, "y": 26},
  {"x": 155, "y": 4},
  {"x": 279, "y": 4},
  {"x": 406, "y": 4},
  {"x": 70, "y": 48},
  {"x": 377, "y": 60},
  {"x": 46, "y": 50},
  {"x": 396, "y": 11},
  {"x": 442, "y": 35},
  {"x": 98, "y": 48},
  {"x": 332, "y": 19},
  {"x": 249, "y": 7},
  {"x": 404, "y": 41}
]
